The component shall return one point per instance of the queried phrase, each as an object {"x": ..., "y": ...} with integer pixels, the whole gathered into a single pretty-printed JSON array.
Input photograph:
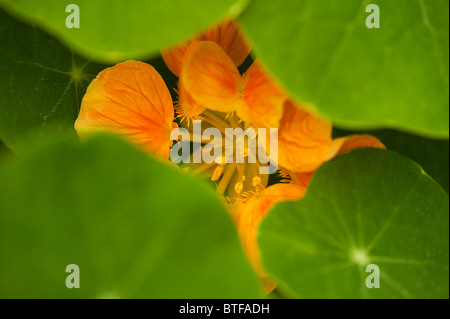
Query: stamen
[
  {"x": 220, "y": 123},
  {"x": 228, "y": 200},
  {"x": 215, "y": 124},
  {"x": 244, "y": 152},
  {"x": 199, "y": 137},
  {"x": 238, "y": 187},
  {"x": 217, "y": 173},
  {"x": 220, "y": 160},
  {"x": 182, "y": 115},
  {"x": 245, "y": 196},
  {"x": 230, "y": 118},
  {"x": 257, "y": 184},
  {"x": 226, "y": 178},
  {"x": 256, "y": 181}
]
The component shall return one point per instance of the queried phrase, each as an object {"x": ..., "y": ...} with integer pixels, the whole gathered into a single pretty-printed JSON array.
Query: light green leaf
[
  {"x": 4, "y": 151},
  {"x": 366, "y": 207},
  {"x": 41, "y": 83},
  {"x": 323, "y": 53},
  {"x": 115, "y": 30},
  {"x": 431, "y": 154},
  {"x": 136, "y": 227}
]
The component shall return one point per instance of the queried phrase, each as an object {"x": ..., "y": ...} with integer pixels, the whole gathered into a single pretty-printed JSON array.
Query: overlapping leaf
[
  {"x": 42, "y": 83},
  {"x": 431, "y": 154},
  {"x": 115, "y": 30},
  {"x": 366, "y": 207},
  {"x": 323, "y": 52},
  {"x": 136, "y": 228}
]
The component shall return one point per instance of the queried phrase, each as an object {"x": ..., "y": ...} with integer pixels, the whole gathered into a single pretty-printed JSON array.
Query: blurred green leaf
[
  {"x": 115, "y": 30},
  {"x": 323, "y": 53},
  {"x": 41, "y": 83},
  {"x": 136, "y": 227},
  {"x": 366, "y": 207},
  {"x": 431, "y": 154},
  {"x": 5, "y": 153}
]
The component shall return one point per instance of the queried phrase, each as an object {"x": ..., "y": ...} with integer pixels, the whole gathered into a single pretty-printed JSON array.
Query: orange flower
[
  {"x": 345, "y": 144},
  {"x": 304, "y": 139},
  {"x": 339, "y": 146},
  {"x": 227, "y": 35},
  {"x": 263, "y": 98},
  {"x": 132, "y": 100},
  {"x": 186, "y": 107},
  {"x": 249, "y": 212},
  {"x": 213, "y": 80},
  {"x": 210, "y": 76}
]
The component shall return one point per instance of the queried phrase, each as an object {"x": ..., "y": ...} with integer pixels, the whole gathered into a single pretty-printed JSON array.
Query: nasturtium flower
[
  {"x": 186, "y": 107},
  {"x": 131, "y": 99},
  {"x": 351, "y": 142},
  {"x": 304, "y": 139},
  {"x": 226, "y": 34},
  {"x": 250, "y": 210},
  {"x": 229, "y": 37},
  {"x": 339, "y": 146},
  {"x": 213, "y": 80}
]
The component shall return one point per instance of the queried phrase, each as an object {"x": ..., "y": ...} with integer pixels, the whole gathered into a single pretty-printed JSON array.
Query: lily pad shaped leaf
[
  {"x": 135, "y": 227},
  {"x": 368, "y": 207},
  {"x": 42, "y": 84},
  {"x": 325, "y": 54},
  {"x": 116, "y": 30}
]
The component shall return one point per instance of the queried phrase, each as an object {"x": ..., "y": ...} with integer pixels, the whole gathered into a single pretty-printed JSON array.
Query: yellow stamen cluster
[
  {"x": 226, "y": 172},
  {"x": 239, "y": 186}
]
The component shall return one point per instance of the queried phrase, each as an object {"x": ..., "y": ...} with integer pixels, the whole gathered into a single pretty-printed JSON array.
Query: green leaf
[
  {"x": 366, "y": 207},
  {"x": 323, "y": 53},
  {"x": 431, "y": 154},
  {"x": 42, "y": 83},
  {"x": 3, "y": 149},
  {"x": 136, "y": 227},
  {"x": 115, "y": 30}
]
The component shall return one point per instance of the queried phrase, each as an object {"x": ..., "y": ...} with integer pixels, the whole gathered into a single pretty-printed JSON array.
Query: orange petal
[
  {"x": 227, "y": 35},
  {"x": 187, "y": 108},
  {"x": 263, "y": 98},
  {"x": 130, "y": 99},
  {"x": 304, "y": 139},
  {"x": 230, "y": 38},
  {"x": 174, "y": 57},
  {"x": 348, "y": 143},
  {"x": 210, "y": 76},
  {"x": 250, "y": 214},
  {"x": 301, "y": 178}
]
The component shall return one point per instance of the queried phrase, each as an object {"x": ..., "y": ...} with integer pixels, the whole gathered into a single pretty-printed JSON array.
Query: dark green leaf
[
  {"x": 366, "y": 207},
  {"x": 41, "y": 83},
  {"x": 322, "y": 51},
  {"x": 5, "y": 152},
  {"x": 115, "y": 30},
  {"x": 136, "y": 228}
]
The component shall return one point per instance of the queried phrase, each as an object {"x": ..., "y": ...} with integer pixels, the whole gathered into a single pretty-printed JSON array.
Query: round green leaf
[
  {"x": 41, "y": 83},
  {"x": 115, "y": 30},
  {"x": 431, "y": 154},
  {"x": 136, "y": 227},
  {"x": 366, "y": 207},
  {"x": 324, "y": 54}
]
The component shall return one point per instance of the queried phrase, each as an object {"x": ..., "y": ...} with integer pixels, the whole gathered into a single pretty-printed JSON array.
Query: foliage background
[{"x": 391, "y": 82}]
